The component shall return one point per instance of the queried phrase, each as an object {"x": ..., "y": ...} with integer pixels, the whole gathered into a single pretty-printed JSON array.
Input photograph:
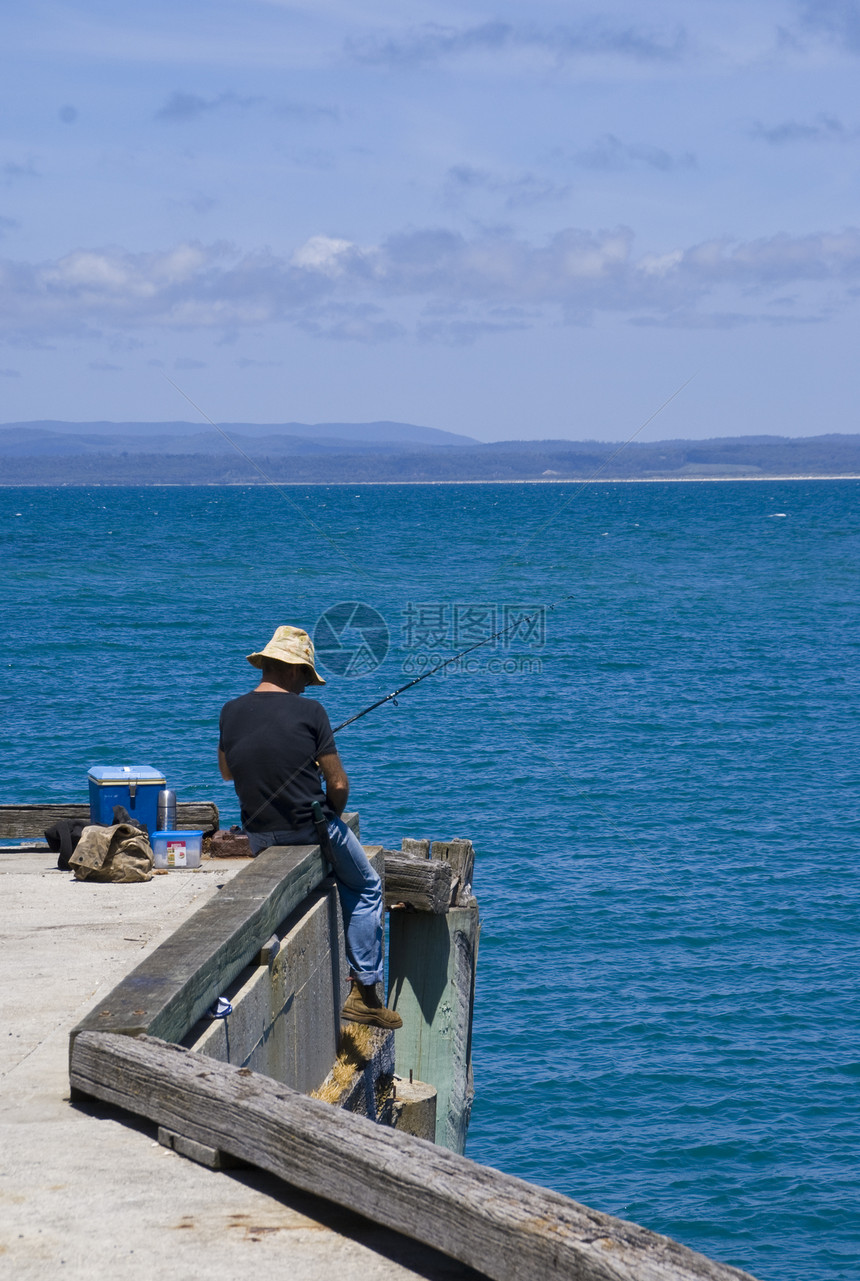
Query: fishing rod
[
  {"x": 446, "y": 662},
  {"x": 394, "y": 695},
  {"x": 588, "y": 479}
]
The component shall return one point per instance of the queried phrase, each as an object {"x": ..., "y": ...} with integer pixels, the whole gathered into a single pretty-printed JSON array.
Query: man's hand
[{"x": 336, "y": 782}]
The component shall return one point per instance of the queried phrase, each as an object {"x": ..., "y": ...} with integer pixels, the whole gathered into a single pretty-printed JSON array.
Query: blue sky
[{"x": 513, "y": 221}]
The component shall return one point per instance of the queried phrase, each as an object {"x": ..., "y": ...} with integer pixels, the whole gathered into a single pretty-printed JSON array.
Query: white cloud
[
  {"x": 823, "y": 128},
  {"x": 609, "y": 152},
  {"x": 433, "y": 42},
  {"x": 182, "y": 106},
  {"x": 430, "y": 282},
  {"x": 323, "y": 254},
  {"x": 838, "y": 20},
  {"x": 519, "y": 190},
  {"x": 115, "y": 275}
]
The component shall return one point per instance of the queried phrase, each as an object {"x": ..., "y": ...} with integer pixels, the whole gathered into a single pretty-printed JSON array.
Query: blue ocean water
[{"x": 660, "y": 775}]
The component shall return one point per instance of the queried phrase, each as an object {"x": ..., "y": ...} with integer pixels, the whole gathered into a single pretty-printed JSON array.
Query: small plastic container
[{"x": 177, "y": 849}]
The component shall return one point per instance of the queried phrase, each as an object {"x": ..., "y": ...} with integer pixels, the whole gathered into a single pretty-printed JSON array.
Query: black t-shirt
[{"x": 271, "y": 742}]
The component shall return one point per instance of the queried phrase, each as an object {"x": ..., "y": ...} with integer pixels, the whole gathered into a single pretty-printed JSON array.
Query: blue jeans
[{"x": 359, "y": 890}]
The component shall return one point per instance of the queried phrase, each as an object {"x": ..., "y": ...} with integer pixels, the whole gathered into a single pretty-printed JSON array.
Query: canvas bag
[{"x": 119, "y": 853}]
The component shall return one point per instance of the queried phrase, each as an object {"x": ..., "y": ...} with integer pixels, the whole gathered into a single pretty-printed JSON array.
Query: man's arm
[
  {"x": 224, "y": 767},
  {"x": 336, "y": 781}
]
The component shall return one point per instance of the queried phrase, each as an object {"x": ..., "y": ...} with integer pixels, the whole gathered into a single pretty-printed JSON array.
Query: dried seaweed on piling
[{"x": 354, "y": 1052}]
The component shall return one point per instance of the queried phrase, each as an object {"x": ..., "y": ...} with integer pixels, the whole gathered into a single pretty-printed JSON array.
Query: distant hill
[
  {"x": 50, "y": 436},
  {"x": 56, "y": 453}
]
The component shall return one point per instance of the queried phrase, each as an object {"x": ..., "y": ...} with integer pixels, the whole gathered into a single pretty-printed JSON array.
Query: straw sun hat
[{"x": 290, "y": 645}]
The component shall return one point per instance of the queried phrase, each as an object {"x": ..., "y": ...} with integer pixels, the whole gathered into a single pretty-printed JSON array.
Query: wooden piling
[
  {"x": 431, "y": 971},
  {"x": 415, "y": 1109}
]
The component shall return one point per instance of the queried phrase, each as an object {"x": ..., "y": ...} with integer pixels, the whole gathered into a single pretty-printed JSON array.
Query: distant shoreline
[{"x": 52, "y": 454}]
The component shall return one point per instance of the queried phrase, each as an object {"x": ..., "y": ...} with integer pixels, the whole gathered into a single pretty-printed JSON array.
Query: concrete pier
[{"x": 87, "y": 1192}]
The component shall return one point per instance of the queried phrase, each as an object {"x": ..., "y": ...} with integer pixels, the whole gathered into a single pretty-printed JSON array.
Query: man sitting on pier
[{"x": 274, "y": 746}]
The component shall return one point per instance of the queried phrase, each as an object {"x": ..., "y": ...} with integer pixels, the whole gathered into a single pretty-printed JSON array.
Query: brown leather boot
[{"x": 364, "y": 1006}]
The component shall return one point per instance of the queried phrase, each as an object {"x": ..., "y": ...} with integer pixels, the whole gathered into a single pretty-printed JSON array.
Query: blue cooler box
[{"x": 134, "y": 786}]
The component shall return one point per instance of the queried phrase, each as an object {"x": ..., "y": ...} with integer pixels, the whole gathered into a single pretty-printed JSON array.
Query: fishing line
[
  {"x": 588, "y": 479},
  {"x": 583, "y": 796},
  {"x": 269, "y": 481},
  {"x": 402, "y": 689},
  {"x": 445, "y": 663},
  {"x": 394, "y": 695}
]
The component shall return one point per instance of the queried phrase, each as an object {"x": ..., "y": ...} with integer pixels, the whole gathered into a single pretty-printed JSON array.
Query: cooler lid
[{"x": 110, "y": 775}]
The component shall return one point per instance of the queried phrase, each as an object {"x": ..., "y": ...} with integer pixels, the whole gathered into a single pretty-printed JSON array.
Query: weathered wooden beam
[
  {"x": 423, "y": 883},
  {"x": 28, "y": 821},
  {"x": 285, "y": 1017},
  {"x": 34, "y": 820},
  {"x": 507, "y": 1229}
]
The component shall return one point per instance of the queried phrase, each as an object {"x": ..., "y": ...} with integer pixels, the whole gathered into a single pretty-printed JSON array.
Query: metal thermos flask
[{"x": 166, "y": 819}]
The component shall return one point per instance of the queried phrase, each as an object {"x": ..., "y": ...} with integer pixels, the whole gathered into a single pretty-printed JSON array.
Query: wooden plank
[
  {"x": 431, "y": 985},
  {"x": 507, "y": 1229},
  {"x": 415, "y": 1108},
  {"x": 425, "y": 884},
  {"x": 199, "y": 1152},
  {"x": 33, "y": 820}
]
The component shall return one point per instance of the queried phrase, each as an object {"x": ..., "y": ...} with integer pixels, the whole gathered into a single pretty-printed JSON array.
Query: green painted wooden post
[{"x": 431, "y": 973}]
